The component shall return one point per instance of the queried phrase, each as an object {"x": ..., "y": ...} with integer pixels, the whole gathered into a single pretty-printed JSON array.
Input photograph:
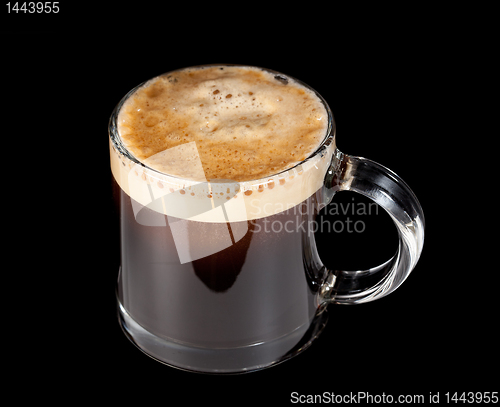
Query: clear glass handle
[{"x": 349, "y": 173}]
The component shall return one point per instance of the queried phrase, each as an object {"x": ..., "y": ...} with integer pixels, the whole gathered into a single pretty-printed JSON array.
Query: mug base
[{"x": 221, "y": 361}]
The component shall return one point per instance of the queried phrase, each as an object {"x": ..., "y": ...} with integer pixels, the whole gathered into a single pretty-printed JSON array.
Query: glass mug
[{"x": 224, "y": 276}]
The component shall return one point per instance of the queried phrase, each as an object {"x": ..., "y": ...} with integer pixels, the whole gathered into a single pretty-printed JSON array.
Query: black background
[{"x": 435, "y": 333}]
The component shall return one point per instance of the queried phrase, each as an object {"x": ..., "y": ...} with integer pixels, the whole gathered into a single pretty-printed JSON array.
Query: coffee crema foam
[
  {"x": 211, "y": 135},
  {"x": 247, "y": 123}
]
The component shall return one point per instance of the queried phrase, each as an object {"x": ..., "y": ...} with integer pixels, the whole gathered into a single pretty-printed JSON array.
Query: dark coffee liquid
[{"x": 260, "y": 288}]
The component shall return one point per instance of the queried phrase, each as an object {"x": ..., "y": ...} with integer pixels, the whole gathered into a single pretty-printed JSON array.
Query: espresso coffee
[
  {"x": 215, "y": 193},
  {"x": 219, "y": 173}
]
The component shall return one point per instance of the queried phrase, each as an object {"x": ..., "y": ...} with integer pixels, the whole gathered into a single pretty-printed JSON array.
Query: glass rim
[{"x": 123, "y": 150}]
